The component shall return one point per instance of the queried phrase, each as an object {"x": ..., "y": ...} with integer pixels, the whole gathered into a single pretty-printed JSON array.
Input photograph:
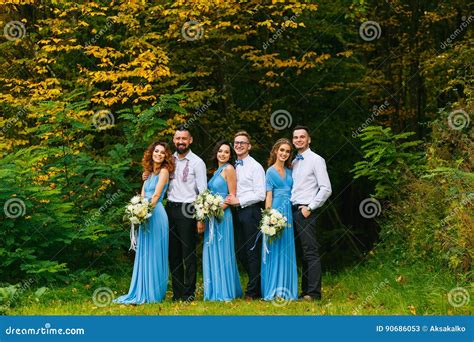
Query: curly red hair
[{"x": 148, "y": 163}]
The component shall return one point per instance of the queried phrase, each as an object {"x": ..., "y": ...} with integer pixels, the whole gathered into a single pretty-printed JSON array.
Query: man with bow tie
[
  {"x": 247, "y": 214},
  {"x": 311, "y": 188}
]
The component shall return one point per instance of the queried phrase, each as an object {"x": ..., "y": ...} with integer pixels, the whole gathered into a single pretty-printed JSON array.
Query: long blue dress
[
  {"x": 219, "y": 265},
  {"x": 150, "y": 270},
  {"x": 279, "y": 272}
]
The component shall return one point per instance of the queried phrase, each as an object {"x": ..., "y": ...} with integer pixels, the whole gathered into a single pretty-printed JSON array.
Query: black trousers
[
  {"x": 308, "y": 249},
  {"x": 246, "y": 222},
  {"x": 182, "y": 250}
]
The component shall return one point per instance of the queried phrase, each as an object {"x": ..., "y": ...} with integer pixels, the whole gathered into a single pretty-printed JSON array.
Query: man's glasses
[{"x": 237, "y": 143}]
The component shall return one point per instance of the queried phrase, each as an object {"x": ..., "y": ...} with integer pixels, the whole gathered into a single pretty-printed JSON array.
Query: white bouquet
[
  {"x": 272, "y": 224},
  {"x": 137, "y": 211},
  {"x": 208, "y": 206}
]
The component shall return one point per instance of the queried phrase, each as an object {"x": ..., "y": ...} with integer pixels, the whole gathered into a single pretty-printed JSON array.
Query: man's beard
[{"x": 182, "y": 150}]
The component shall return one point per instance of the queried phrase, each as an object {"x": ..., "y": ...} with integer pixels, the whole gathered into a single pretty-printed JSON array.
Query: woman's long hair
[
  {"x": 273, "y": 154},
  {"x": 214, "y": 159},
  {"x": 148, "y": 163}
]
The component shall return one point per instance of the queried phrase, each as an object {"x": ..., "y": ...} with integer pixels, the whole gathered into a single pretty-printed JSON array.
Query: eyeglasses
[{"x": 237, "y": 143}]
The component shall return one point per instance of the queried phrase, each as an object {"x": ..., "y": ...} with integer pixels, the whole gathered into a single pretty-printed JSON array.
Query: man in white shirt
[
  {"x": 311, "y": 188},
  {"x": 188, "y": 180},
  {"x": 247, "y": 215}
]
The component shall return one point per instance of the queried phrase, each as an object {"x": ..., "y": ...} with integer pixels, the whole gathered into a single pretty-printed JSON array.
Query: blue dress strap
[{"x": 219, "y": 170}]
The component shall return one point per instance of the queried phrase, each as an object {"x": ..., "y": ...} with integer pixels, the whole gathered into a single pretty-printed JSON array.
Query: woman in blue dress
[
  {"x": 279, "y": 272},
  {"x": 150, "y": 270},
  {"x": 220, "y": 273}
]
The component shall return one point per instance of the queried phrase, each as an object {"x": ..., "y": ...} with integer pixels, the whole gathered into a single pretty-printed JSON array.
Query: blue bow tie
[
  {"x": 239, "y": 162},
  {"x": 299, "y": 157}
]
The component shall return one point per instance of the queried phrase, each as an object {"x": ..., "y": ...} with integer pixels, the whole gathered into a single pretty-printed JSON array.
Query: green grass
[{"x": 370, "y": 289}]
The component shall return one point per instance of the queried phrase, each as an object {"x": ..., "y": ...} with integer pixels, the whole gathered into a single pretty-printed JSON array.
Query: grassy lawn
[{"x": 378, "y": 289}]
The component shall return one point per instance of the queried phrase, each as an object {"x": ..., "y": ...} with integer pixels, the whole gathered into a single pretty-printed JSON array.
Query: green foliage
[
  {"x": 45, "y": 222},
  {"x": 388, "y": 158}
]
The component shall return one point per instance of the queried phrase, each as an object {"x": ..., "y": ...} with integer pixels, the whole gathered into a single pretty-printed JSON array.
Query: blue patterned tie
[{"x": 239, "y": 162}]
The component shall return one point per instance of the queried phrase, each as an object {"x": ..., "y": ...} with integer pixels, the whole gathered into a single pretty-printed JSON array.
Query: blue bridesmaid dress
[
  {"x": 150, "y": 270},
  {"x": 220, "y": 273},
  {"x": 279, "y": 272}
]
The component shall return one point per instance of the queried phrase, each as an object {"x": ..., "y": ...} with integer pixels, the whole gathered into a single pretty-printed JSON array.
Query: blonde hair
[{"x": 242, "y": 133}]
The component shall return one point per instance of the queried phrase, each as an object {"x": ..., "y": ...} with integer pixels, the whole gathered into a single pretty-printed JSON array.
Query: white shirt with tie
[
  {"x": 250, "y": 181},
  {"x": 311, "y": 184},
  {"x": 185, "y": 186}
]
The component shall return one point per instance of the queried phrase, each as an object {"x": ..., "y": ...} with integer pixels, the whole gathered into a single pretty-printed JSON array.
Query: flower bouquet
[
  {"x": 137, "y": 211},
  {"x": 272, "y": 224},
  {"x": 208, "y": 206}
]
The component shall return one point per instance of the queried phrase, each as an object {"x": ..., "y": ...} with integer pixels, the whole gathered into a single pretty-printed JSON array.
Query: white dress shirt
[
  {"x": 311, "y": 185},
  {"x": 185, "y": 190},
  {"x": 250, "y": 182}
]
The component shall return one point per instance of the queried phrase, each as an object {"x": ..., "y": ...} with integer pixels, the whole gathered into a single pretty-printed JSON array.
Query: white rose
[
  {"x": 271, "y": 231},
  {"x": 135, "y": 200},
  {"x": 273, "y": 220},
  {"x": 217, "y": 201},
  {"x": 134, "y": 220}
]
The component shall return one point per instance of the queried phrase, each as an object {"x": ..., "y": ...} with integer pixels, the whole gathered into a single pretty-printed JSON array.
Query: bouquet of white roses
[
  {"x": 208, "y": 206},
  {"x": 272, "y": 224},
  {"x": 137, "y": 211}
]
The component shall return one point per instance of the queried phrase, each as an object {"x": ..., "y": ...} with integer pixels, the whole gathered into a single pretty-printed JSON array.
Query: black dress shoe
[
  {"x": 249, "y": 297},
  {"x": 188, "y": 299},
  {"x": 308, "y": 298}
]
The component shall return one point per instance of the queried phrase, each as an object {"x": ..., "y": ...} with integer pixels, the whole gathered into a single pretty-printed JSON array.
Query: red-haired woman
[{"x": 150, "y": 270}]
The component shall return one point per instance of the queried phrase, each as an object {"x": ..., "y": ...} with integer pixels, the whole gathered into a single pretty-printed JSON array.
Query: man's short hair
[
  {"x": 183, "y": 128},
  {"x": 301, "y": 127},
  {"x": 242, "y": 133}
]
